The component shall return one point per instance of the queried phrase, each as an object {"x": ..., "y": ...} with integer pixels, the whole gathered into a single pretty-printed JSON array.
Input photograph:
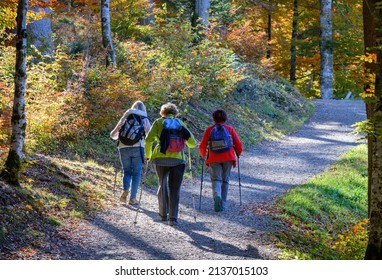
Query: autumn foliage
[
  {"x": 72, "y": 96},
  {"x": 247, "y": 38},
  {"x": 71, "y": 93}
]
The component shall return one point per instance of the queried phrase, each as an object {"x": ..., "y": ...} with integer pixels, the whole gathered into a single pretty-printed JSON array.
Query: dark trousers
[{"x": 170, "y": 179}]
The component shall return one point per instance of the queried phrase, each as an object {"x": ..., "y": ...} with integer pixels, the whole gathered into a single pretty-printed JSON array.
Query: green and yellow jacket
[{"x": 154, "y": 136}]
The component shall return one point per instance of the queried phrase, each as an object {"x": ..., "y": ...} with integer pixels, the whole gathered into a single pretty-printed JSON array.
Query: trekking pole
[
  {"x": 192, "y": 181},
  {"x": 140, "y": 194},
  {"x": 238, "y": 172},
  {"x": 116, "y": 171},
  {"x": 201, "y": 185},
  {"x": 115, "y": 178}
]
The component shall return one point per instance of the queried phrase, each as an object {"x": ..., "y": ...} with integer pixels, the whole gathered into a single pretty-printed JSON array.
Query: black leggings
[{"x": 170, "y": 179}]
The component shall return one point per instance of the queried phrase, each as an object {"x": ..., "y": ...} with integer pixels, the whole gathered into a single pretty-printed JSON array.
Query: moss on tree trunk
[{"x": 13, "y": 166}]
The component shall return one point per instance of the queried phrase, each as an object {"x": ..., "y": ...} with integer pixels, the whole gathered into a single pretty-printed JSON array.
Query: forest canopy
[{"x": 160, "y": 56}]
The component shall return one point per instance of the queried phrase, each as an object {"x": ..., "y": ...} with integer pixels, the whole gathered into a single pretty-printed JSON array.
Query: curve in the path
[{"x": 266, "y": 171}]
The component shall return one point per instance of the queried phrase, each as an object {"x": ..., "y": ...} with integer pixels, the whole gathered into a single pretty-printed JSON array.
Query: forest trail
[{"x": 267, "y": 170}]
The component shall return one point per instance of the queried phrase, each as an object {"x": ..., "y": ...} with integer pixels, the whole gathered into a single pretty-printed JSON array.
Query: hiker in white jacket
[{"x": 131, "y": 156}]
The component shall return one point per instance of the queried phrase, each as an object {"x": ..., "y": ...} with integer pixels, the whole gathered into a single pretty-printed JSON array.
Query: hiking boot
[
  {"x": 217, "y": 203},
  {"x": 163, "y": 218},
  {"x": 172, "y": 222},
  {"x": 124, "y": 196},
  {"x": 133, "y": 201}
]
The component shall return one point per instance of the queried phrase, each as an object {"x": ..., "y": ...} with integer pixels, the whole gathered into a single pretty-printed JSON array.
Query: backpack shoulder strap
[{"x": 217, "y": 126}]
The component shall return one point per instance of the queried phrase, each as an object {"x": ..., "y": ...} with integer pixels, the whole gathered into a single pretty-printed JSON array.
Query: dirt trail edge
[{"x": 267, "y": 170}]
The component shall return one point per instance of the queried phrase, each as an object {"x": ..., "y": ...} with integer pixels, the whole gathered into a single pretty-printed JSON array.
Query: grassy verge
[{"x": 325, "y": 218}]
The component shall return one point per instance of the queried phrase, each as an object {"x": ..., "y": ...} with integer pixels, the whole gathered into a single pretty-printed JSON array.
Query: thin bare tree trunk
[
  {"x": 269, "y": 33},
  {"x": 107, "y": 41},
  {"x": 326, "y": 23},
  {"x": 293, "y": 45},
  {"x": 15, "y": 155}
]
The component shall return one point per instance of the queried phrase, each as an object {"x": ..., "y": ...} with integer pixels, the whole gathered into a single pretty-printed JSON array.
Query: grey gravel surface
[{"x": 267, "y": 170}]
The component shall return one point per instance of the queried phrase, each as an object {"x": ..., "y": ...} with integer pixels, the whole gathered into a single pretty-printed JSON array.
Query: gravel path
[{"x": 267, "y": 171}]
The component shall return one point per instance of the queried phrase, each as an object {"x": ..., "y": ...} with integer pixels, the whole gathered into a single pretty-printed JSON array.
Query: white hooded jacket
[{"x": 146, "y": 124}]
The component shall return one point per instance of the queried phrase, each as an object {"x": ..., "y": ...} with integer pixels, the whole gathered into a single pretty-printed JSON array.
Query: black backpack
[
  {"x": 132, "y": 130},
  {"x": 220, "y": 139}
]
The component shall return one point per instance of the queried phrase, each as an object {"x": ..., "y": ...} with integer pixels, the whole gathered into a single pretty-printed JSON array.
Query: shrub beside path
[{"x": 267, "y": 170}]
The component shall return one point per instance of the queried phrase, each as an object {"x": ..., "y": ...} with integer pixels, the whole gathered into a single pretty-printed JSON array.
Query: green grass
[{"x": 325, "y": 217}]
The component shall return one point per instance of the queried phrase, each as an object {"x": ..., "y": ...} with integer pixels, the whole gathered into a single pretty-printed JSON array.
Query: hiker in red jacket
[{"x": 219, "y": 146}]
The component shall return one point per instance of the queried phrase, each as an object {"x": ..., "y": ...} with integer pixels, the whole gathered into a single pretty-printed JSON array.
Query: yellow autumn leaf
[
  {"x": 29, "y": 207},
  {"x": 369, "y": 59},
  {"x": 365, "y": 95}
]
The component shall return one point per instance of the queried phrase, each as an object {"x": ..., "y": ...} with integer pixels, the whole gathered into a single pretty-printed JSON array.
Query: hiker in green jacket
[{"x": 171, "y": 136}]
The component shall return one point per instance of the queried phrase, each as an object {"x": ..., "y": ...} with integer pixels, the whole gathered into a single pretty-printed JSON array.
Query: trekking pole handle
[
  {"x": 234, "y": 148},
  {"x": 145, "y": 172}
]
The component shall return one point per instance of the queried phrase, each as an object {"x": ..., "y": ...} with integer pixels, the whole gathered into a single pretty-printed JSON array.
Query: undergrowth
[{"x": 55, "y": 194}]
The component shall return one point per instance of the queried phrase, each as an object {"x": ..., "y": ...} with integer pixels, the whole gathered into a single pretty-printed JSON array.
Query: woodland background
[
  {"x": 259, "y": 60},
  {"x": 71, "y": 93}
]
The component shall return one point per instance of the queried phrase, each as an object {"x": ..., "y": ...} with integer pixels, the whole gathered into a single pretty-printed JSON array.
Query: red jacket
[{"x": 221, "y": 157}]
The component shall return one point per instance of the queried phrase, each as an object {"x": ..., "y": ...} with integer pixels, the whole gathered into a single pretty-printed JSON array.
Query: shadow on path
[{"x": 267, "y": 170}]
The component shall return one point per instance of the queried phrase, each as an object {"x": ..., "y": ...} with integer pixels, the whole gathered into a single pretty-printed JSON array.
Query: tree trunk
[
  {"x": 201, "y": 10},
  {"x": 106, "y": 33},
  {"x": 293, "y": 47},
  {"x": 374, "y": 247},
  {"x": 15, "y": 156},
  {"x": 269, "y": 33},
  {"x": 150, "y": 19},
  {"x": 326, "y": 24},
  {"x": 370, "y": 70},
  {"x": 199, "y": 20},
  {"x": 39, "y": 31}
]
